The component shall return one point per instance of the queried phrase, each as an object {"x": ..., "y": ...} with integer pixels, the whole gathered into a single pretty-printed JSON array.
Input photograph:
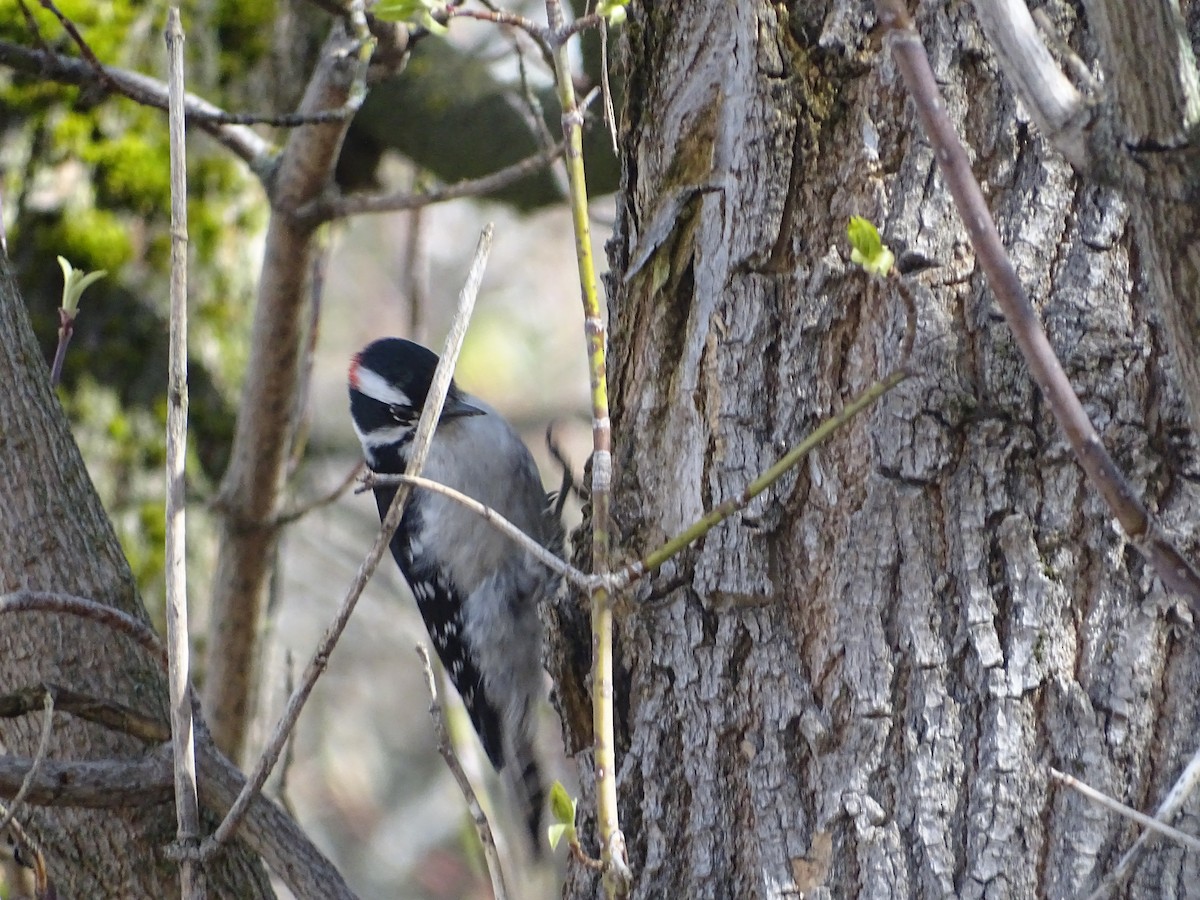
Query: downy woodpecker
[{"x": 477, "y": 590}]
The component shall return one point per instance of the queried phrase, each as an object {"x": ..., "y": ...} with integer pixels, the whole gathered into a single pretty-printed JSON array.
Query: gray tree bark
[
  {"x": 857, "y": 687},
  {"x": 55, "y": 536}
]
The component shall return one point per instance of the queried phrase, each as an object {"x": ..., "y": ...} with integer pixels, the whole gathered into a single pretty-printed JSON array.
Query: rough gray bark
[
  {"x": 54, "y": 536},
  {"x": 856, "y": 689}
]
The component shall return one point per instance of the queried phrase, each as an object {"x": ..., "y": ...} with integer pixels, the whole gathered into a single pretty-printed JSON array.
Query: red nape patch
[{"x": 355, "y": 362}]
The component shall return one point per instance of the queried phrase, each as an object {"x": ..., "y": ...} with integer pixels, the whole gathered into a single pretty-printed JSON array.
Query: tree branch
[
  {"x": 421, "y": 441},
  {"x": 446, "y": 748},
  {"x": 493, "y": 518},
  {"x": 39, "y": 758},
  {"x": 251, "y": 490},
  {"x": 1169, "y": 564},
  {"x": 326, "y": 209},
  {"x": 183, "y": 756},
  {"x": 112, "y": 715},
  {"x": 110, "y": 617},
  {"x": 46, "y": 64},
  {"x": 1129, "y": 812}
]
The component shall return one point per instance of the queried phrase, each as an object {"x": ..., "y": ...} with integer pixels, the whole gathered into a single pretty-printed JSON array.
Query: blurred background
[{"x": 84, "y": 176}]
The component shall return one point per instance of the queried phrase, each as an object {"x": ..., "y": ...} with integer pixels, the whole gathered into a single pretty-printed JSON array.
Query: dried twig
[
  {"x": 50, "y": 602},
  {"x": 48, "y": 65},
  {"x": 1129, "y": 812},
  {"x": 187, "y": 804},
  {"x": 1109, "y": 482},
  {"x": 497, "y": 521},
  {"x": 326, "y": 209},
  {"x": 112, "y": 715},
  {"x": 7, "y": 815},
  {"x": 1180, "y": 791},
  {"x": 300, "y": 511},
  {"x": 446, "y": 748},
  {"x": 421, "y": 441}
]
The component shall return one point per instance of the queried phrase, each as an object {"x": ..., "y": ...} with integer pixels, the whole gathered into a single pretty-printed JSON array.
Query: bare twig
[
  {"x": 1169, "y": 564},
  {"x": 84, "y": 49},
  {"x": 617, "y": 876},
  {"x": 610, "y": 115},
  {"x": 493, "y": 518},
  {"x": 544, "y": 36},
  {"x": 421, "y": 441},
  {"x": 147, "y": 780},
  {"x": 1129, "y": 812},
  {"x": 1180, "y": 791},
  {"x": 300, "y": 511},
  {"x": 66, "y": 330},
  {"x": 112, "y": 715},
  {"x": 50, "y": 602},
  {"x": 6, "y": 816},
  {"x": 324, "y": 209},
  {"x": 788, "y": 461},
  {"x": 95, "y": 784},
  {"x": 446, "y": 748},
  {"x": 251, "y": 493},
  {"x": 48, "y": 65},
  {"x": 187, "y": 805},
  {"x": 301, "y": 412},
  {"x": 289, "y": 749}
]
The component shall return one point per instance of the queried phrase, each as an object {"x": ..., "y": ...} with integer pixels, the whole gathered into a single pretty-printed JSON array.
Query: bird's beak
[{"x": 455, "y": 408}]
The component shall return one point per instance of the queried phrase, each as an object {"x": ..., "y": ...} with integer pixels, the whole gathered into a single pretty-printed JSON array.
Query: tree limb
[{"x": 240, "y": 140}]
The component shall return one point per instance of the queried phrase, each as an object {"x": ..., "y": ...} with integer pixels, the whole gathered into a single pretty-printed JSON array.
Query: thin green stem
[
  {"x": 788, "y": 461},
  {"x": 612, "y": 841}
]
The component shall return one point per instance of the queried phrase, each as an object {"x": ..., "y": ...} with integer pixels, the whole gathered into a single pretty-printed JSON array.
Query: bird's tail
[{"x": 524, "y": 778}]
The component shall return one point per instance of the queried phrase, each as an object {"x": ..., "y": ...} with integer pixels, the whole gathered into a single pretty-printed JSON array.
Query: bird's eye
[{"x": 402, "y": 413}]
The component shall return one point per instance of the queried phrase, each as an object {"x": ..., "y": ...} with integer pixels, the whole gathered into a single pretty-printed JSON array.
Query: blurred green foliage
[{"x": 87, "y": 177}]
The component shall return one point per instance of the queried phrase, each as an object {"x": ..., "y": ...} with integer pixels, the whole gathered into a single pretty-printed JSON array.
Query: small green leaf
[
  {"x": 613, "y": 11},
  {"x": 75, "y": 282},
  {"x": 869, "y": 251},
  {"x": 562, "y": 810},
  {"x": 556, "y": 833},
  {"x": 414, "y": 12},
  {"x": 562, "y": 807}
]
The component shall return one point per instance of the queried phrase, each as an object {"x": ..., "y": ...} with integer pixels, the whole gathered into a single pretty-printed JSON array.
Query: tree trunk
[
  {"x": 55, "y": 536},
  {"x": 857, "y": 687}
]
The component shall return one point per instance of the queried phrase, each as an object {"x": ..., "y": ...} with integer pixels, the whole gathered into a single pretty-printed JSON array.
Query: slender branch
[
  {"x": 329, "y": 209},
  {"x": 320, "y": 659},
  {"x": 84, "y": 49},
  {"x": 112, "y": 715},
  {"x": 446, "y": 748},
  {"x": 1129, "y": 812},
  {"x": 187, "y": 805},
  {"x": 493, "y": 518},
  {"x": 1056, "y": 106},
  {"x": 147, "y": 780},
  {"x": 1171, "y": 804},
  {"x": 48, "y": 65},
  {"x": 251, "y": 492},
  {"x": 38, "y": 759},
  {"x": 544, "y": 36},
  {"x": 50, "y": 602},
  {"x": 95, "y": 784},
  {"x": 788, "y": 461},
  {"x": 612, "y": 842},
  {"x": 1169, "y": 564},
  {"x": 300, "y": 511}
]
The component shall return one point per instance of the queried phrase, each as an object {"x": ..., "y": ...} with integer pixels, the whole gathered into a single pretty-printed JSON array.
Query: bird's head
[{"x": 389, "y": 380}]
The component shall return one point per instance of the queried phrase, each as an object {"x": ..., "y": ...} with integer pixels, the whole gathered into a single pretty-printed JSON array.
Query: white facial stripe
[
  {"x": 376, "y": 387},
  {"x": 383, "y": 437}
]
